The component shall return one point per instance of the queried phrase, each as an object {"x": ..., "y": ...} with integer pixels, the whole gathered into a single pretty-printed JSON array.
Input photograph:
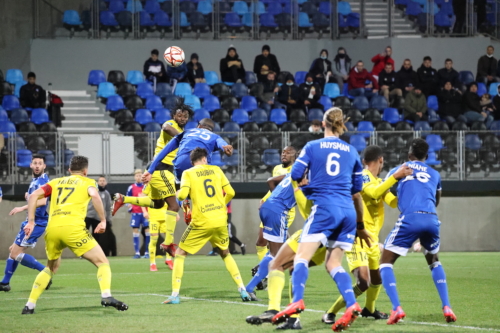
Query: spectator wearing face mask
[
  {"x": 264, "y": 63},
  {"x": 195, "y": 74},
  {"x": 357, "y": 82},
  {"x": 381, "y": 60},
  {"x": 315, "y": 127},
  {"x": 266, "y": 92},
  {"x": 450, "y": 103},
  {"x": 341, "y": 67},
  {"x": 321, "y": 69},
  {"x": 231, "y": 67},
  {"x": 289, "y": 93},
  {"x": 310, "y": 93},
  {"x": 473, "y": 110},
  {"x": 487, "y": 67},
  {"x": 415, "y": 107}
]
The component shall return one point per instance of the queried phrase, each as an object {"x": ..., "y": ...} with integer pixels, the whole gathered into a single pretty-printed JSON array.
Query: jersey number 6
[
  {"x": 331, "y": 163},
  {"x": 209, "y": 189}
]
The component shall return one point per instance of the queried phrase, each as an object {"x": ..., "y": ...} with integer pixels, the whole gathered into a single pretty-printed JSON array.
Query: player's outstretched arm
[
  {"x": 41, "y": 193},
  {"x": 274, "y": 181},
  {"x": 170, "y": 147},
  {"x": 39, "y": 203},
  {"x": 169, "y": 129},
  {"x": 391, "y": 199},
  {"x": 377, "y": 191},
  {"x": 99, "y": 208}
]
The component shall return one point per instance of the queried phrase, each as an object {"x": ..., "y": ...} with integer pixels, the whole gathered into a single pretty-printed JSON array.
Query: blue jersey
[
  {"x": 417, "y": 192},
  {"x": 1, "y": 193},
  {"x": 41, "y": 214},
  {"x": 335, "y": 171},
  {"x": 186, "y": 142},
  {"x": 282, "y": 198}
]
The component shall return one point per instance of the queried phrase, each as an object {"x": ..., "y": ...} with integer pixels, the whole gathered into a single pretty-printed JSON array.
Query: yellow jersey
[
  {"x": 155, "y": 214},
  {"x": 279, "y": 170},
  {"x": 164, "y": 139},
  {"x": 205, "y": 184},
  {"x": 374, "y": 193},
  {"x": 69, "y": 199}
]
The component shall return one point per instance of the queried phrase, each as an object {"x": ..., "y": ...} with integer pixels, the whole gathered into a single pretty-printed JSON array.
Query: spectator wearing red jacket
[
  {"x": 380, "y": 60},
  {"x": 357, "y": 82}
]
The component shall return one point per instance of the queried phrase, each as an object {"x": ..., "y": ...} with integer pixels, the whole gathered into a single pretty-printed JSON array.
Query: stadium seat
[
  {"x": 27, "y": 127},
  {"x": 481, "y": 89},
  {"x": 216, "y": 158},
  {"x": 326, "y": 102},
  {"x": 250, "y": 78},
  {"x": 383, "y": 126},
  {"x": 274, "y": 8},
  {"x": 240, "y": 7},
  {"x": 239, "y": 90},
  {"x": 5, "y": 89},
  {"x": 269, "y": 126},
  {"x": 200, "y": 114},
  {"x": 240, "y": 116},
  {"x": 297, "y": 116},
  {"x": 378, "y": 102},
  {"x": 192, "y": 101},
  {"x": 271, "y": 157},
  {"x": 259, "y": 143},
  {"x": 361, "y": 103},
  {"x": 459, "y": 126},
  {"x": 17, "y": 89},
  {"x": 442, "y": 22},
  {"x": 7, "y": 127},
  {"x": 478, "y": 126},
  {"x": 14, "y": 75},
  {"x": 182, "y": 89},
  {"x": 20, "y": 142},
  {"x": 300, "y": 77},
  {"x": 268, "y": 22},
  {"x": 332, "y": 90},
  {"x": 278, "y": 116},
  {"x": 135, "y": 77},
  {"x": 373, "y": 115},
  {"x": 220, "y": 90},
  {"x": 432, "y": 102},
  {"x": 233, "y": 160},
  {"x": 211, "y": 77},
  {"x": 134, "y": 6},
  {"x": 472, "y": 141},
  {"x": 116, "y": 6},
  {"x": 134, "y": 102},
  {"x": 358, "y": 142},
  {"x": 162, "y": 21},
  {"x": 231, "y": 127},
  {"x": 211, "y": 103},
  {"x": 466, "y": 77},
  {"x": 440, "y": 126},
  {"x": 232, "y": 20},
  {"x": 152, "y": 127},
  {"x": 249, "y": 103},
  {"x": 495, "y": 126},
  {"x": 229, "y": 103},
  {"x": 125, "y": 89},
  {"x": 221, "y": 116},
  {"x": 145, "y": 90},
  {"x": 413, "y": 9},
  {"x": 3, "y": 115},
  {"x": 23, "y": 158},
  {"x": 96, "y": 76},
  {"x": 152, "y": 7},
  {"x": 39, "y": 116},
  {"x": 354, "y": 115},
  {"x": 18, "y": 116},
  {"x": 325, "y": 8},
  {"x": 10, "y": 102},
  {"x": 201, "y": 90},
  {"x": 153, "y": 102},
  {"x": 187, "y": 7},
  {"x": 435, "y": 142},
  {"x": 105, "y": 90},
  {"x": 259, "y": 116},
  {"x": 493, "y": 91},
  {"x": 71, "y": 18},
  {"x": 289, "y": 127},
  {"x": 258, "y": 8},
  {"x": 403, "y": 126},
  {"x": 422, "y": 126},
  {"x": 143, "y": 116},
  {"x": 304, "y": 22},
  {"x": 391, "y": 115},
  {"x": 116, "y": 77},
  {"x": 162, "y": 115},
  {"x": 432, "y": 116},
  {"x": 190, "y": 125},
  {"x": 146, "y": 22},
  {"x": 365, "y": 126},
  {"x": 48, "y": 128},
  {"x": 163, "y": 90},
  {"x": 204, "y": 7},
  {"x": 315, "y": 114},
  {"x": 123, "y": 117}
]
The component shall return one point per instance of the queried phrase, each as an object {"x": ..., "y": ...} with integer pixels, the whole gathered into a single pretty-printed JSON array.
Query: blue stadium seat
[
  {"x": 432, "y": 116},
  {"x": 152, "y": 7},
  {"x": 271, "y": 157},
  {"x": 309, "y": 8},
  {"x": 413, "y": 9},
  {"x": 3, "y": 115},
  {"x": 495, "y": 126},
  {"x": 358, "y": 142},
  {"x": 365, "y": 126},
  {"x": 240, "y": 116},
  {"x": 344, "y": 8},
  {"x": 152, "y": 127},
  {"x": 211, "y": 103},
  {"x": 267, "y": 20},
  {"x": 473, "y": 142},
  {"x": 250, "y": 78},
  {"x": 231, "y": 126},
  {"x": 7, "y": 127},
  {"x": 191, "y": 125},
  {"x": 115, "y": 103},
  {"x": 144, "y": 90},
  {"x": 435, "y": 142},
  {"x": 13, "y": 75},
  {"x": 68, "y": 155},
  {"x": 134, "y": 6},
  {"x": 300, "y": 77},
  {"x": 162, "y": 20},
  {"x": 249, "y": 103},
  {"x": 422, "y": 126},
  {"x": 216, "y": 159},
  {"x": 184, "y": 20},
  {"x": 259, "y": 9},
  {"x": 182, "y": 89},
  {"x": 10, "y": 102},
  {"x": 211, "y": 77},
  {"x": 432, "y": 159},
  {"x": 332, "y": 90},
  {"x": 278, "y": 116},
  {"x": 17, "y": 89},
  {"x": 204, "y": 7},
  {"x": 304, "y": 21},
  {"x": 445, "y": 8},
  {"x": 315, "y": 114},
  {"x": 352, "y": 20},
  {"x": 378, "y": 102},
  {"x": 326, "y": 102},
  {"x": 217, "y": 128},
  {"x": 193, "y": 101},
  {"x": 143, "y": 116},
  {"x": 24, "y": 158},
  {"x": 493, "y": 91},
  {"x": 233, "y": 20},
  {"x": 50, "y": 160},
  {"x": 163, "y": 90},
  {"x": 200, "y": 114},
  {"x": 432, "y": 102},
  {"x": 239, "y": 90},
  {"x": 240, "y": 7},
  {"x": 162, "y": 115},
  {"x": 259, "y": 116},
  {"x": 391, "y": 115},
  {"x": 105, "y": 89},
  {"x": 39, "y": 116},
  {"x": 233, "y": 160},
  {"x": 20, "y": 142},
  {"x": 96, "y": 76},
  {"x": 274, "y": 8},
  {"x": 442, "y": 20},
  {"x": 247, "y": 20},
  {"x": 71, "y": 17},
  {"x": 135, "y": 77},
  {"x": 361, "y": 103},
  {"x": 481, "y": 89},
  {"x": 466, "y": 77},
  {"x": 145, "y": 20},
  {"x": 18, "y": 116},
  {"x": 325, "y": 8},
  {"x": 201, "y": 90},
  {"x": 116, "y": 6},
  {"x": 153, "y": 102}
]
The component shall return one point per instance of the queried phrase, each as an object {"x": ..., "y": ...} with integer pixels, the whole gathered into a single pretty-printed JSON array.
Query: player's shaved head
[
  {"x": 197, "y": 154},
  {"x": 418, "y": 149},
  {"x": 207, "y": 123},
  {"x": 78, "y": 163},
  {"x": 372, "y": 154}
]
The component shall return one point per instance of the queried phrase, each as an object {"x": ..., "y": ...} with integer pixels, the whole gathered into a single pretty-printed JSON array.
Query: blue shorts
[
  {"x": 137, "y": 219},
  {"x": 30, "y": 242},
  {"x": 275, "y": 224},
  {"x": 181, "y": 165},
  {"x": 331, "y": 225},
  {"x": 411, "y": 227}
]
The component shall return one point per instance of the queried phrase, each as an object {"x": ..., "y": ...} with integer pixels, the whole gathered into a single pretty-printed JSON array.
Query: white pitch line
[{"x": 264, "y": 305}]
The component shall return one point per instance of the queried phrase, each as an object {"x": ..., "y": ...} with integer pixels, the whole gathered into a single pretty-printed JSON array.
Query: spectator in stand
[
  {"x": 315, "y": 127},
  {"x": 195, "y": 73},
  {"x": 231, "y": 67},
  {"x": 487, "y": 67},
  {"x": 381, "y": 60},
  {"x": 406, "y": 78},
  {"x": 154, "y": 70},
  {"x": 32, "y": 95},
  {"x": 177, "y": 74},
  {"x": 387, "y": 82},
  {"x": 496, "y": 105},
  {"x": 487, "y": 103},
  {"x": 450, "y": 103},
  {"x": 357, "y": 82},
  {"x": 342, "y": 67},
  {"x": 428, "y": 78},
  {"x": 310, "y": 94},
  {"x": 265, "y": 63},
  {"x": 289, "y": 93},
  {"x": 266, "y": 92},
  {"x": 448, "y": 74},
  {"x": 321, "y": 69},
  {"x": 415, "y": 107},
  {"x": 471, "y": 105}
]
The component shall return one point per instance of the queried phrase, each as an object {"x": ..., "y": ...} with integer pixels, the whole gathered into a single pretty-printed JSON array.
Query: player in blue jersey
[
  {"x": 17, "y": 250},
  {"x": 274, "y": 216},
  {"x": 418, "y": 197},
  {"x": 329, "y": 172}
]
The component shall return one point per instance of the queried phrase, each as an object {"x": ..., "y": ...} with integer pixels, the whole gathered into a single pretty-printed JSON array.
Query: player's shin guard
[
  {"x": 170, "y": 222},
  {"x": 372, "y": 296},
  {"x": 233, "y": 269},
  {"x": 152, "y": 248},
  {"x": 10, "y": 268},
  {"x": 261, "y": 273},
  {"x": 344, "y": 284},
  {"x": 41, "y": 282},
  {"x": 29, "y": 261},
  {"x": 177, "y": 274},
  {"x": 136, "y": 240},
  {"x": 104, "y": 278},
  {"x": 439, "y": 278},
  {"x": 139, "y": 201},
  {"x": 340, "y": 303},
  {"x": 275, "y": 285},
  {"x": 261, "y": 252},
  {"x": 389, "y": 283},
  {"x": 299, "y": 278}
]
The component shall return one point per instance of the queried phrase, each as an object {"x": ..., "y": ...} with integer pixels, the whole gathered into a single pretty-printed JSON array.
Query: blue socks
[
  {"x": 389, "y": 283},
  {"x": 10, "y": 268},
  {"x": 299, "y": 278},
  {"x": 136, "y": 242},
  {"x": 344, "y": 284},
  {"x": 439, "y": 278},
  {"x": 261, "y": 273},
  {"x": 30, "y": 261}
]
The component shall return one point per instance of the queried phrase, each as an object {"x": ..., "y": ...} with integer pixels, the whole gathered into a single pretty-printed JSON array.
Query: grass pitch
[{"x": 211, "y": 303}]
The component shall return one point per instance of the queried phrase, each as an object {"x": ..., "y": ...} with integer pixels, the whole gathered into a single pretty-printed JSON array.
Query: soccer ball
[{"x": 174, "y": 56}]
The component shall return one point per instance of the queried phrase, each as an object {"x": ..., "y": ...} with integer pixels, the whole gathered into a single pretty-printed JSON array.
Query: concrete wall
[{"x": 468, "y": 224}]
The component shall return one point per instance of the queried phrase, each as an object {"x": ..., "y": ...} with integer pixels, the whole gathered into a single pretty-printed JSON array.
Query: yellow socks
[
  {"x": 170, "y": 222},
  {"x": 41, "y": 282},
  {"x": 261, "y": 252},
  {"x": 104, "y": 278},
  {"x": 177, "y": 274},
  {"x": 152, "y": 248},
  {"x": 371, "y": 296},
  {"x": 340, "y": 303},
  {"x": 275, "y": 285},
  {"x": 232, "y": 268},
  {"x": 139, "y": 201}
]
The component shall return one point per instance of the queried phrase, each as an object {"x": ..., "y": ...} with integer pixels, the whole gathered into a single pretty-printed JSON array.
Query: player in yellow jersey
[
  {"x": 162, "y": 181},
  {"x": 364, "y": 261},
  {"x": 69, "y": 199},
  {"x": 205, "y": 185}
]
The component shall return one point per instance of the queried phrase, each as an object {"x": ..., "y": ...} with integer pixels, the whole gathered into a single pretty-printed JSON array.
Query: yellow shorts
[
  {"x": 156, "y": 226},
  {"x": 162, "y": 185},
  {"x": 363, "y": 257},
  {"x": 193, "y": 240},
  {"x": 77, "y": 238},
  {"x": 318, "y": 257}
]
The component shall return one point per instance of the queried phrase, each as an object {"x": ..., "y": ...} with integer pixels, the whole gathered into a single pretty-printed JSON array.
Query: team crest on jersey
[{"x": 366, "y": 179}]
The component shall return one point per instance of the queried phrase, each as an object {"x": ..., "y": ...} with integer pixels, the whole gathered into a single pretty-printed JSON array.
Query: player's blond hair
[
  {"x": 137, "y": 171},
  {"x": 334, "y": 120}
]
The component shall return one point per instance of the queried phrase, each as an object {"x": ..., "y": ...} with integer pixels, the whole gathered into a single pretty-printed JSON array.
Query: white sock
[
  {"x": 30, "y": 305},
  {"x": 106, "y": 294},
  {"x": 175, "y": 293}
]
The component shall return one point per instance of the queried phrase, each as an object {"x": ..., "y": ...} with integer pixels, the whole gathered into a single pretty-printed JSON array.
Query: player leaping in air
[
  {"x": 205, "y": 185},
  {"x": 418, "y": 197}
]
